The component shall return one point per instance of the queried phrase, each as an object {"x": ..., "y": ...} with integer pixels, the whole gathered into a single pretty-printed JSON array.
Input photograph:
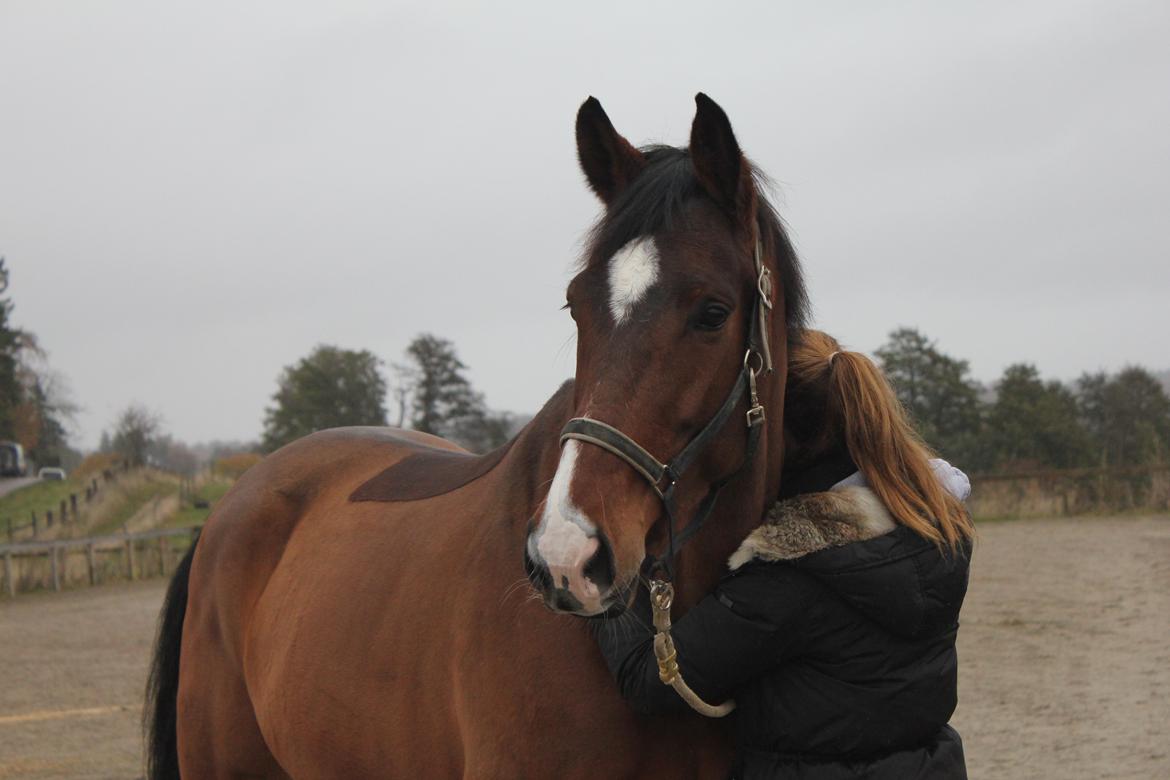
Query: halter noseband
[{"x": 664, "y": 477}]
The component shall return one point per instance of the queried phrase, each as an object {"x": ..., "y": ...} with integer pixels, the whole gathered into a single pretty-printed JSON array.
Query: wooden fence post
[
  {"x": 64, "y": 511},
  {"x": 11, "y": 533},
  {"x": 53, "y": 566},
  {"x": 73, "y": 505},
  {"x": 36, "y": 530},
  {"x": 89, "y": 560},
  {"x": 9, "y": 583},
  {"x": 48, "y": 518},
  {"x": 130, "y": 559}
]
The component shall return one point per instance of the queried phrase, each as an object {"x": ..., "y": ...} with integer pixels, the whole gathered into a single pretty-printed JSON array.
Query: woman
[{"x": 835, "y": 628}]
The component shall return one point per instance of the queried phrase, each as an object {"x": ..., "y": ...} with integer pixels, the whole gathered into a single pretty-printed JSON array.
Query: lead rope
[{"x": 661, "y": 597}]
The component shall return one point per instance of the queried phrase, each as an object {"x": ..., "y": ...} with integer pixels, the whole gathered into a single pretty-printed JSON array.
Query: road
[{"x": 8, "y": 484}]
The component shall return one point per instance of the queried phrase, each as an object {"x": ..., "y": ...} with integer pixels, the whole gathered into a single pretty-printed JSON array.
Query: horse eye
[{"x": 712, "y": 316}]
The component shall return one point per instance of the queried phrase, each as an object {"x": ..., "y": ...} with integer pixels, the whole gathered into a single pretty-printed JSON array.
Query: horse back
[{"x": 245, "y": 536}]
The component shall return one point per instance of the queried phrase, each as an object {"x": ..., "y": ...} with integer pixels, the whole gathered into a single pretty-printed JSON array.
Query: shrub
[
  {"x": 234, "y": 466},
  {"x": 97, "y": 463}
]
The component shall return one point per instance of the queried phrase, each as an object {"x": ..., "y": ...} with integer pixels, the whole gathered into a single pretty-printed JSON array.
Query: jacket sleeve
[{"x": 738, "y": 632}]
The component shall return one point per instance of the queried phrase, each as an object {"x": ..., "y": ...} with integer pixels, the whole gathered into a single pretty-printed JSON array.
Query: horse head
[{"x": 685, "y": 293}]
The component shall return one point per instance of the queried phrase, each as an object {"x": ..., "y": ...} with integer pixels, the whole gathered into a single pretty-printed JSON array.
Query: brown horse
[{"x": 356, "y": 605}]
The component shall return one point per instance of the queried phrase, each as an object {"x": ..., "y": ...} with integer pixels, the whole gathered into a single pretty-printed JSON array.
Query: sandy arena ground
[
  {"x": 1064, "y": 650},
  {"x": 1065, "y": 661}
]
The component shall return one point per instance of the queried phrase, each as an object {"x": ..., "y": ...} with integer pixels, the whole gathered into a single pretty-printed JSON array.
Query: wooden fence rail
[{"x": 56, "y": 550}]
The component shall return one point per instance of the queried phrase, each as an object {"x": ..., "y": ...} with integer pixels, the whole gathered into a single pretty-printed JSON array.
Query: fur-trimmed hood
[
  {"x": 847, "y": 512},
  {"x": 814, "y": 521},
  {"x": 847, "y": 540}
]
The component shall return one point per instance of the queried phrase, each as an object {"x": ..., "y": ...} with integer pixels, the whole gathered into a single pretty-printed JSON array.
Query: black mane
[{"x": 662, "y": 190}]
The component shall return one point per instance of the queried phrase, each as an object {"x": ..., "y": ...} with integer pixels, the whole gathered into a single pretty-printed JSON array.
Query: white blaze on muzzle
[{"x": 565, "y": 541}]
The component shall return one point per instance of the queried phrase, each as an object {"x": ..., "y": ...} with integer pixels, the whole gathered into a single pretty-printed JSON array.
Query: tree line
[
  {"x": 1020, "y": 422},
  {"x": 1023, "y": 421},
  {"x": 333, "y": 387}
]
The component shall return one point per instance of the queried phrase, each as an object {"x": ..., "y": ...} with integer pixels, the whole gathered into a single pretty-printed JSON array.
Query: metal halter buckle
[
  {"x": 662, "y": 594},
  {"x": 667, "y": 480},
  {"x": 756, "y": 416},
  {"x": 755, "y": 413}
]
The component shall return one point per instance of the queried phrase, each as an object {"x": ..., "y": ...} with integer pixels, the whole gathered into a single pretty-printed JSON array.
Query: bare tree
[{"x": 135, "y": 431}]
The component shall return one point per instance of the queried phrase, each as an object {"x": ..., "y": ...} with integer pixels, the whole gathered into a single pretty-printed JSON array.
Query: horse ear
[
  {"x": 719, "y": 164},
  {"x": 609, "y": 161}
]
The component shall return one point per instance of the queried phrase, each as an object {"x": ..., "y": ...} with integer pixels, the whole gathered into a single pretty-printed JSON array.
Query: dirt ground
[
  {"x": 1064, "y": 650},
  {"x": 72, "y": 673},
  {"x": 1064, "y": 661}
]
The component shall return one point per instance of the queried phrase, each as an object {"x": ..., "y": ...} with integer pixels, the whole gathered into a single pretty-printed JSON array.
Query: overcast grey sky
[{"x": 191, "y": 198}]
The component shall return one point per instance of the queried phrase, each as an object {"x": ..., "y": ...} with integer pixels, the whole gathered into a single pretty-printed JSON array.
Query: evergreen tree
[
  {"x": 330, "y": 388},
  {"x": 1093, "y": 408},
  {"x": 1127, "y": 416},
  {"x": 1034, "y": 423},
  {"x": 442, "y": 400},
  {"x": 10, "y": 346},
  {"x": 936, "y": 390},
  {"x": 440, "y": 393}
]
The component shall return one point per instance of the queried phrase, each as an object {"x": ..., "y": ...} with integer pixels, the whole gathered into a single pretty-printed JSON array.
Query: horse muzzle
[{"x": 573, "y": 578}]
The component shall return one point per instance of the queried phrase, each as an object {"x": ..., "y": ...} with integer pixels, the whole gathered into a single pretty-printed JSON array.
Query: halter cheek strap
[{"x": 764, "y": 292}]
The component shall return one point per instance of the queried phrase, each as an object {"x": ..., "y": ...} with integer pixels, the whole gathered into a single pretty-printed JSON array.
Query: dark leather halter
[{"x": 664, "y": 477}]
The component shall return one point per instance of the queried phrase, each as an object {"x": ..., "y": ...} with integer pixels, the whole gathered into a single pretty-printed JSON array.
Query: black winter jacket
[{"x": 842, "y": 662}]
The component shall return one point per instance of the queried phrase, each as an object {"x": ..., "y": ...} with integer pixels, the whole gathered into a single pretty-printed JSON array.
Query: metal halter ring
[{"x": 747, "y": 361}]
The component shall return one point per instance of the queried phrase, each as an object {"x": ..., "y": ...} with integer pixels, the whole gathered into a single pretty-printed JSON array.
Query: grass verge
[
  {"x": 19, "y": 505},
  {"x": 188, "y": 515},
  {"x": 151, "y": 488}
]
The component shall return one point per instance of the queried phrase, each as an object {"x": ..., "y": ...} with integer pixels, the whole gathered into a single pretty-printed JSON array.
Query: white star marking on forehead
[{"x": 632, "y": 271}]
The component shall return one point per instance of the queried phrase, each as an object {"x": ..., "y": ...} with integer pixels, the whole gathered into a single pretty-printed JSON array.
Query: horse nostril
[
  {"x": 600, "y": 569},
  {"x": 565, "y": 601},
  {"x": 538, "y": 574}
]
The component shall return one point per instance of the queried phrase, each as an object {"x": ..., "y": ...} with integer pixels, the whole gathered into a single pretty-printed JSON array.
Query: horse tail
[{"x": 160, "y": 715}]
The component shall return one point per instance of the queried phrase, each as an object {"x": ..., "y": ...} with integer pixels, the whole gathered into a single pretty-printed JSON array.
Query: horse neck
[
  {"x": 532, "y": 459},
  {"x": 745, "y": 499}
]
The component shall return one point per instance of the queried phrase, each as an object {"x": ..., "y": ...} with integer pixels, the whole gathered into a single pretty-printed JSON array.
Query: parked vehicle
[
  {"x": 51, "y": 473},
  {"x": 12, "y": 463}
]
